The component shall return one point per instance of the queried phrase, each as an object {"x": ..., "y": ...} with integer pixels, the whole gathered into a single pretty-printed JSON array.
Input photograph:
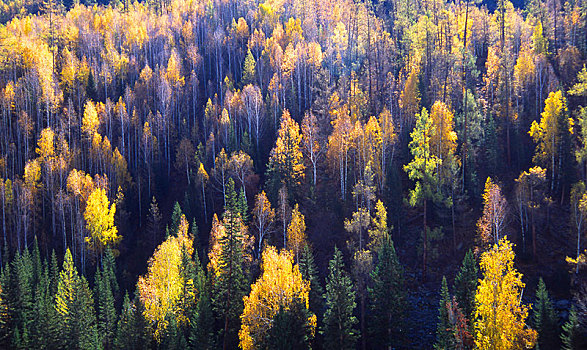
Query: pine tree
[
  {"x": 249, "y": 69},
  {"x": 202, "y": 335},
  {"x": 544, "y": 319},
  {"x": 44, "y": 329},
  {"x": 106, "y": 313},
  {"x": 465, "y": 285},
  {"x": 387, "y": 295},
  {"x": 569, "y": 335},
  {"x": 339, "y": 320},
  {"x": 125, "y": 335},
  {"x": 21, "y": 298},
  {"x": 444, "y": 333},
  {"x": 175, "y": 218},
  {"x": 230, "y": 282},
  {"x": 309, "y": 272},
  {"x": 290, "y": 329},
  {"x": 75, "y": 307}
]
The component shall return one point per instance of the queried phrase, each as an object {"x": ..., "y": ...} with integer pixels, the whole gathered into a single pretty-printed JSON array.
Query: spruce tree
[
  {"x": 44, "y": 329},
  {"x": 290, "y": 329},
  {"x": 569, "y": 335},
  {"x": 465, "y": 285},
  {"x": 339, "y": 320},
  {"x": 387, "y": 296},
  {"x": 310, "y": 273},
  {"x": 544, "y": 319},
  {"x": 175, "y": 218},
  {"x": 21, "y": 298},
  {"x": 230, "y": 285},
  {"x": 125, "y": 335},
  {"x": 106, "y": 312},
  {"x": 444, "y": 334},
  {"x": 75, "y": 307}
]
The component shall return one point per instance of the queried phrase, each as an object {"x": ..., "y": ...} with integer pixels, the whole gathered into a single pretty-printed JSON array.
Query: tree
[
  {"x": 578, "y": 212},
  {"x": 99, "y": 216},
  {"x": 75, "y": 305},
  {"x": 184, "y": 157},
  {"x": 500, "y": 315},
  {"x": 296, "y": 232},
  {"x": 154, "y": 222},
  {"x": 493, "y": 221},
  {"x": 312, "y": 141},
  {"x": 203, "y": 178},
  {"x": 339, "y": 321},
  {"x": 279, "y": 288},
  {"x": 387, "y": 296},
  {"x": 309, "y": 273},
  {"x": 291, "y": 328},
  {"x": 286, "y": 165},
  {"x": 465, "y": 286},
  {"x": 379, "y": 232},
  {"x": 570, "y": 334},
  {"x": 263, "y": 218},
  {"x": 249, "y": 69},
  {"x": 161, "y": 290},
  {"x": 253, "y": 105},
  {"x": 550, "y": 134},
  {"x": 228, "y": 255},
  {"x": 240, "y": 166},
  {"x": 544, "y": 319},
  {"x": 531, "y": 194},
  {"x": 444, "y": 332},
  {"x": 443, "y": 141},
  {"x": 423, "y": 169}
]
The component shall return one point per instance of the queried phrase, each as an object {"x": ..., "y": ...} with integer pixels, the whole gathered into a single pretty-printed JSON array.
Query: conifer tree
[
  {"x": 544, "y": 319},
  {"x": 387, "y": 295},
  {"x": 105, "y": 310},
  {"x": 230, "y": 282},
  {"x": 570, "y": 334},
  {"x": 290, "y": 329},
  {"x": 309, "y": 272},
  {"x": 465, "y": 285},
  {"x": 339, "y": 320},
  {"x": 75, "y": 307},
  {"x": 175, "y": 217},
  {"x": 126, "y": 338},
  {"x": 444, "y": 334}
]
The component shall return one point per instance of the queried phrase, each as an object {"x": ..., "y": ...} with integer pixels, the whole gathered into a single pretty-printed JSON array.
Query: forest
[{"x": 293, "y": 174}]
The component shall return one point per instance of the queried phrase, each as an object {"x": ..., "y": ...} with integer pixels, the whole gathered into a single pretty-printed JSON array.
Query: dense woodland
[{"x": 293, "y": 174}]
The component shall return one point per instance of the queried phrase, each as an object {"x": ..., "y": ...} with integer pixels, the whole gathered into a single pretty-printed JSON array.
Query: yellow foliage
[
  {"x": 90, "y": 121},
  {"x": 279, "y": 286},
  {"x": 499, "y": 312},
  {"x": 296, "y": 232},
  {"x": 546, "y": 133},
  {"x": 161, "y": 289},
  {"x": 99, "y": 216}
]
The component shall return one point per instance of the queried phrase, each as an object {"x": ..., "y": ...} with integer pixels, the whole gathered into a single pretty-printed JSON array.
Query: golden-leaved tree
[
  {"x": 286, "y": 163},
  {"x": 499, "y": 312},
  {"x": 279, "y": 287},
  {"x": 99, "y": 216},
  {"x": 162, "y": 289}
]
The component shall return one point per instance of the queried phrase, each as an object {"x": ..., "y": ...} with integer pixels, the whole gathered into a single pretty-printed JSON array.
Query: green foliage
[
  {"x": 387, "y": 296},
  {"x": 339, "y": 320},
  {"x": 423, "y": 168},
  {"x": 309, "y": 272},
  {"x": 74, "y": 303},
  {"x": 444, "y": 334},
  {"x": 544, "y": 319},
  {"x": 290, "y": 329},
  {"x": 175, "y": 218},
  {"x": 570, "y": 334},
  {"x": 465, "y": 286}
]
